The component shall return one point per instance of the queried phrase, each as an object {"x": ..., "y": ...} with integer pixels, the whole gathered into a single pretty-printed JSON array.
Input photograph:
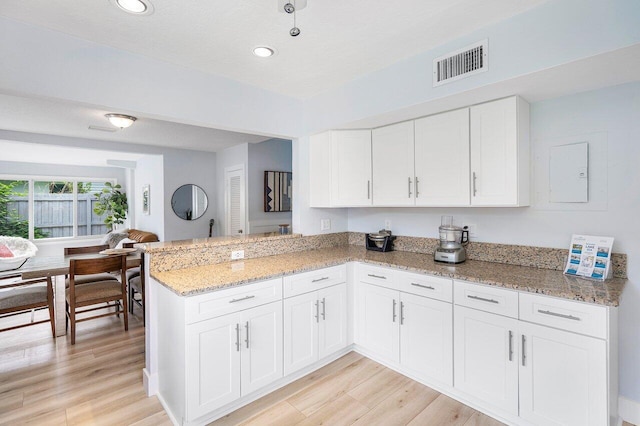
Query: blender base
[{"x": 457, "y": 255}]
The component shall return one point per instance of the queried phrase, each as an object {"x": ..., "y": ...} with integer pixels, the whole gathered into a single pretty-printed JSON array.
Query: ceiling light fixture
[
  {"x": 121, "y": 120},
  {"x": 263, "y": 51},
  {"x": 291, "y": 7},
  {"x": 136, "y": 7}
]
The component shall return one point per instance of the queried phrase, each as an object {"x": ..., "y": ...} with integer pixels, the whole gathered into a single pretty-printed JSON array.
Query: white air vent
[{"x": 461, "y": 63}]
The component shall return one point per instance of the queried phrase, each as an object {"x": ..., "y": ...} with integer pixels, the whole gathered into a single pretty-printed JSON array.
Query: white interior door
[{"x": 235, "y": 200}]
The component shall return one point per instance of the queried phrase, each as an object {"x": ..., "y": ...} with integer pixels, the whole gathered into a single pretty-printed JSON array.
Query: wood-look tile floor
[{"x": 99, "y": 382}]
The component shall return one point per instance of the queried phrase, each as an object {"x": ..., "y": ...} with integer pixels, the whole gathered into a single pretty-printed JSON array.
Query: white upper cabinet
[
  {"x": 320, "y": 170},
  {"x": 393, "y": 175},
  {"x": 500, "y": 153},
  {"x": 442, "y": 159},
  {"x": 351, "y": 168}
]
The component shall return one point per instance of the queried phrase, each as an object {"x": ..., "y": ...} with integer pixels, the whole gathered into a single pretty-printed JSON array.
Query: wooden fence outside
[{"x": 53, "y": 214}]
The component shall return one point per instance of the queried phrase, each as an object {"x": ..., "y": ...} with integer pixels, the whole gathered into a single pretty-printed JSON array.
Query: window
[{"x": 42, "y": 208}]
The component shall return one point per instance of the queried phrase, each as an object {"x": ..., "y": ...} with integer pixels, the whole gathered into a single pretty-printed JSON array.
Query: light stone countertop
[{"x": 202, "y": 279}]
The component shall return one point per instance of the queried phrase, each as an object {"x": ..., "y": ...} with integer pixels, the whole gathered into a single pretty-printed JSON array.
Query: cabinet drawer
[
  {"x": 486, "y": 298},
  {"x": 567, "y": 315},
  {"x": 377, "y": 275},
  {"x": 314, "y": 280},
  {"x": 217, "y": 303},
  {"x": 426, "y": 285}
]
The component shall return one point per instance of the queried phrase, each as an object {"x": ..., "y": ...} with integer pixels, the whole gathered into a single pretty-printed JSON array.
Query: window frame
[{"x": 31, "y": 179}]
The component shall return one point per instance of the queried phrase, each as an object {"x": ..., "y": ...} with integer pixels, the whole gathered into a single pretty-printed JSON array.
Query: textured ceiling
[{"x": 340, "y": 40}]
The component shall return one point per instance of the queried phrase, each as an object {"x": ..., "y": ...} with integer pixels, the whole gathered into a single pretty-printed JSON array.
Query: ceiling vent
[{"x": 462, "y": 63}]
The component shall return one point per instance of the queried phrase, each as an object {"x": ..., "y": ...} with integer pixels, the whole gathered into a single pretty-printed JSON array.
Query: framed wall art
[
  {"x": 146, "y": 200},
  {"x": 277, "y": 191}
]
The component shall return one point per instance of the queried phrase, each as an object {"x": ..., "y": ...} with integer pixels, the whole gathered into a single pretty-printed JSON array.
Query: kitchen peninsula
[{"x": 222, "y": 334}]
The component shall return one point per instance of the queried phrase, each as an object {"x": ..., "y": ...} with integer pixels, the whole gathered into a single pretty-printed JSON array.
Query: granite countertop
[
  {"x": 163, "y": 246},
  {"x": 201, "y": 279}
]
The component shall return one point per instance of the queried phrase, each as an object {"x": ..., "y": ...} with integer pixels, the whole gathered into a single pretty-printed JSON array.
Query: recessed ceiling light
[
  {"x": 137, "y": 7},
  {"x": 263, "y": 51}
]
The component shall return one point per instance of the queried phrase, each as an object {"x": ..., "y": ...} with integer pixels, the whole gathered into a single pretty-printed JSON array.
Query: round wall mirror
[{"x": 189, "y": 202}]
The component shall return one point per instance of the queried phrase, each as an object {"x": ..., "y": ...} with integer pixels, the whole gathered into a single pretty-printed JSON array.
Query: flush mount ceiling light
[
  {"x": 291, "y": 7},
  {"x": 136, "y": 7},
  {"x": 263, "y": 51},
  {"x": 121, "y": 120}
]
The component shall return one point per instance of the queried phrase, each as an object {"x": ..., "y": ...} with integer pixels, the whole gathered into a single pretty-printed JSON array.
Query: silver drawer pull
[
  {"x": 377, "y": 276},
  {"x": 510, "y": 345},
  {"x": 482, "y": 299},
  {"x": 555, "y": 314},
  {"x": 320, "y": 279},
  {"x": 428, "y": 287},
  {"x": 241, "y": 299}
]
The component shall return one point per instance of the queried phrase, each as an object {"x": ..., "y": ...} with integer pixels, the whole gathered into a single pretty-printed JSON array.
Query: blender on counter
[{"x": 453, "y": 239}]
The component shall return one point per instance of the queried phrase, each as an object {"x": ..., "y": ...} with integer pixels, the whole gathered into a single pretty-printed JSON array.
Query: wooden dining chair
[
  {"x": 107, "y": 291},
  {"x": 87, "y": 279},
  {"x": 19, "y": 296},
  {"x": 136, "y": 286}
]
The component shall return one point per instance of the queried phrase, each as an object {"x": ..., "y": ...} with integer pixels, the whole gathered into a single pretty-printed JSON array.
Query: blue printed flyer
[{"x": 590, "y": 257}]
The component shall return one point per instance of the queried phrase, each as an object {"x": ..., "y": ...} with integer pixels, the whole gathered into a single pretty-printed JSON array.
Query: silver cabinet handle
[
  {"x": 317, "y": 312},
  {"x": 368, "y": 190},
  {"x": 524, "y": 355},
  {"x": 237, "y": 337},
  {"x": 409, "y": 187},
  {"x": 394, "y": 310},
  {"x": 474, "y": 184},
  {"x": 470, "y": 296},
  {"x": 401, "y": 313},
  {"x": 555, "y": 314},
  {"x": 417, "y": 182},
  {"x": 382, "y": 277},
  {"x": 510, "y": 345},
  {"x": 428, "y": 287},
  {"x": 320, "y": 279},
  {"x": 246, "y": 325},
  {"x": 241, "y": 299},
  {"x": 324, "y": 309}
]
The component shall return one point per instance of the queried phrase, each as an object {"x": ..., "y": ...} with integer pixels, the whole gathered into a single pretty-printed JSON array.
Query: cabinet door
[
  {"x": 486, "y": 357},
  {"x": 494, "y": 153},
  {"x": 563, "y": 378},
  {"x": 300, "y": 331},
  {"x": 320, "y": 170},
  {"x": 332, "y": 330},
  {"x": 442, "y": 159},
  {"x": 212, "y": 364},
  {"x": 351, "y": 168},
  {"x": 379, "y": 321},
  {"x": 261, "y": 346},
  {"x": 426, "y": 337},
  {"x": 392, "y": 155}
]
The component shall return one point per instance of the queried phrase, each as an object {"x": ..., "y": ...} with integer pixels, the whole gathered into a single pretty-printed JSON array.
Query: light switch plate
[{"x": 238, "y": 254}]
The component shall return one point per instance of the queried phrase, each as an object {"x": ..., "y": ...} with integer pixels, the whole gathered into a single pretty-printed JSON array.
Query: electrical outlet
[
  {"x": 387, "y": 225},
  {"x": 325, "y": 224},
  {"x": 238, "y": 254}
]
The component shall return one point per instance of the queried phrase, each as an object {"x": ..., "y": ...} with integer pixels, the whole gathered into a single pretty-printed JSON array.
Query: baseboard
[
  {"x": 150, "y": 382},
  {"x": 629, "y": 410},
  {"x": 167, "y": 410}
]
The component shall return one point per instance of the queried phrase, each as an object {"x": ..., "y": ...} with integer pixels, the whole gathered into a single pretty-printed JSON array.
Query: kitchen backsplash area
[{"x": 189, "y": 253}]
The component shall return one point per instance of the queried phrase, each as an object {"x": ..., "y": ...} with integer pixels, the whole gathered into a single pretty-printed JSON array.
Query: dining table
[{"x": 57, "y": 267}]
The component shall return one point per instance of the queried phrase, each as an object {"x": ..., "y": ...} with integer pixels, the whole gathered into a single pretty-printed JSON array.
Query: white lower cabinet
[
  {"x": 413, "y": 331},
  {"x": 563, "y": 377},
  {"x": 315, "y": 326},
  {"x": 232, "y": 356},
  {"x": 537, "y": 374},
  {"x": 486, "y": 357}
]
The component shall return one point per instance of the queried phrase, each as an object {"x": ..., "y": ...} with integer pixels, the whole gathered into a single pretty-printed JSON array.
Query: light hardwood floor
[{"x": 99, "y": 382}]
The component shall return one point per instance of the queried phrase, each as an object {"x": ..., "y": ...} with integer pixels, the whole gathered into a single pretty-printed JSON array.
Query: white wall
[
  {"x": 230, "y": 157},
  {"x": 183, "y": 167},
  {"x": 271, "y": 155},
  {"x": 149, "y": 171},
  {"x": 552, "y": 34}
]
